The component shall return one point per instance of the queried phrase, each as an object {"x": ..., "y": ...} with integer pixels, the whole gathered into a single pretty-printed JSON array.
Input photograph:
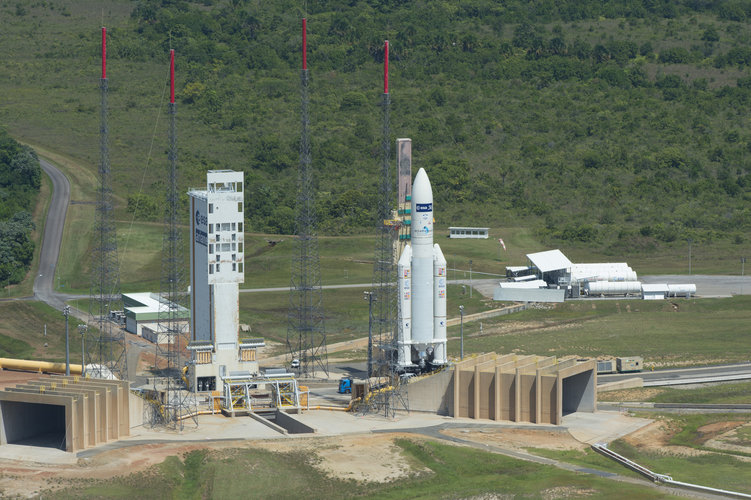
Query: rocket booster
[{"x": 422, "y": 285}]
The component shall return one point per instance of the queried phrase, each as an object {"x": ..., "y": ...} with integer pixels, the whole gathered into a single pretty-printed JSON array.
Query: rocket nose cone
[{"x": 422, "y": 192}]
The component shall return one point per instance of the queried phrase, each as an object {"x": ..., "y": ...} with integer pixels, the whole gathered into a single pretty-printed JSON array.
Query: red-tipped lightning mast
[
  {"x": 104, "y": 52},
  {"x": 382, "y": 337},
  {"x": 108, "y": 350},
  {"x": 172, "y": 278},
  {"x": 306, "y": 333},
  {"x": 386, "y": 67}
]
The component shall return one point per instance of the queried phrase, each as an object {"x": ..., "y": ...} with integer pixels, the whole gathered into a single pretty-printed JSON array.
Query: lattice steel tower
[
  {"x": 108, "y": 348},
  {"x": 382, "y": 341},
  {"x": 381, "y": 346},
  {"x": 172, "y": 297},
  {"x": 306, "y": 335}
]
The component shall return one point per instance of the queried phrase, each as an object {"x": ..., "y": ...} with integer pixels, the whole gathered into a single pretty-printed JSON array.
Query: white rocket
[{"x": 422, "y": 286}]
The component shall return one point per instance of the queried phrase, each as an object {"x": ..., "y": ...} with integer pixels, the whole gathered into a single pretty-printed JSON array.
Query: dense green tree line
[
  {"x": 619, "y": 123},
  {"x": 20, "y": 180}
]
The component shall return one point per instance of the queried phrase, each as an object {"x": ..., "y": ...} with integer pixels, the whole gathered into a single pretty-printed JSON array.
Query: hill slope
[{"x": 619, "y": 124}]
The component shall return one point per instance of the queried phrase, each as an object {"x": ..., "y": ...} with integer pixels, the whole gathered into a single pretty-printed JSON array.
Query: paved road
[
  {"x": 682, "y": 375},
  {"x": 706, "y": 285},
  {"x": 53, "y": 237}
]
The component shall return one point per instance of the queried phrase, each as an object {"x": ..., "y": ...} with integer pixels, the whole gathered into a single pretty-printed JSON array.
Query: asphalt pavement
[
  {"x": 53, "y": 237},
  {"x": 683, "y": 375},
  {"x": 706, "y": 285}
]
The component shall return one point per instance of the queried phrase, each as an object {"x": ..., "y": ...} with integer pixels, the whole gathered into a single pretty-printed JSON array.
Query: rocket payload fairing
[{"x": 422, "y": 286}]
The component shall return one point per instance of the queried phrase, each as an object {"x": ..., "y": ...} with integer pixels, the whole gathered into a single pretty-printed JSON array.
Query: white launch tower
[
  {"x": 422, "y": 286},
  {"x": 216, "y": 270}
]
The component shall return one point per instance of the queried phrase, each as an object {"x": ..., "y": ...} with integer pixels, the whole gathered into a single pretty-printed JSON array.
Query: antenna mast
[
  {"x": 108, "y": 351},
  {"x": 306, "y": 335}
]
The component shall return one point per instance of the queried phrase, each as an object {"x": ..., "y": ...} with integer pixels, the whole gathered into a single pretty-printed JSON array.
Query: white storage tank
[
  {"x": 614, "y": 271},
  {"x": 613, "y": 287},
  {"x": 682, "y": 290}
]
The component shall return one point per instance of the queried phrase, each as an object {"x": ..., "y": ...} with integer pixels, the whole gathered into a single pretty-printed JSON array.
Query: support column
[
  {"x": 517, "y": 396},
  {"x": 497, "y": 392},
  {"x": 456, "y": 391},
  {"x": 538, "y": 397},
  {"x": 476, "y": 392},
  {"x": 558, "y": 419}
]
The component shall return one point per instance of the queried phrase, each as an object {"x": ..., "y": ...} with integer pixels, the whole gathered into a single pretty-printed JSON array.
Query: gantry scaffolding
[
  {"x": 385, "y": 382},
  {"x": 171, "y": 324},
  {"x": 254, "y": 394},
  {"x": 306, "y": 335},
  {"x": 107, "y": 349}
]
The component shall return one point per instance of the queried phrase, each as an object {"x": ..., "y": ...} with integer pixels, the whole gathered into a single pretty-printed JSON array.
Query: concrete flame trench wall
[
  {"x": 509, "y": 387},
  {"x": 68, "y": 413}
]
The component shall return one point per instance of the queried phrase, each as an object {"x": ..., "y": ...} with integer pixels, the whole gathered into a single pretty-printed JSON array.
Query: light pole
[
  {"x": 66, "y": 313},
  {"x": 82, "y": 330},
  {"x": 461, "y": 329},
  {"x": 743, "y": 264},
  {"x": 689, "y": 256},
  {"x": 369, "y": 297}
]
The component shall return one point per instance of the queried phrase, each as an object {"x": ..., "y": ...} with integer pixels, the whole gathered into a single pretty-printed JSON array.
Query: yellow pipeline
[
  {"x": 329, "y": 408},
  {"x": 185, "y": 379},
  {"x": 37, "y": 366},
  {"x": 196, "y": 413}
]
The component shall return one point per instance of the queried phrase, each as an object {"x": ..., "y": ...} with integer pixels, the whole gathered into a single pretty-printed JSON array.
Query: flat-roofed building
[
  {"x": 143, "y": 309},
  {"x": 480, "y": 233}
]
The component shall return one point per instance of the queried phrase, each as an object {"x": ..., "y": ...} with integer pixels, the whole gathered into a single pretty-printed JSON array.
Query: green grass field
[
  {"x": 725, "y": 393},
  {"x": 22, "y": 332},
  {"x": 346, "y": 312},
  {"x": 694, "y": 331},
  {"x": 449, "y": 472}
]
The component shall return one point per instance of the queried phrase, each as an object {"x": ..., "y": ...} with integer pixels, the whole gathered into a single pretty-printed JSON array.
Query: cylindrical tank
[
  {"x": 422, "y": 261},
  {"x": 682, "y": 290},
  {"x": 613, "y": 287},
  {"x": 439, "y": 306},
  {"x": 404, "y": 339},
  {"x": 616, "y": 271}
]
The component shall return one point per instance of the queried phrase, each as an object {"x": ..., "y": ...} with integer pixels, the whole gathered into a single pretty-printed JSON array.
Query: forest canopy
[{"x": 20, "y": 180}]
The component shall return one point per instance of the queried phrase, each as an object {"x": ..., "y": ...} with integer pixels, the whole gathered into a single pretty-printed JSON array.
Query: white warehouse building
[{"x": 216, "y": 271}]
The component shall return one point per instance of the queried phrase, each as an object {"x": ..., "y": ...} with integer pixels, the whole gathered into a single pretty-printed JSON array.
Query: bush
[{"x": 675, "y": 55}]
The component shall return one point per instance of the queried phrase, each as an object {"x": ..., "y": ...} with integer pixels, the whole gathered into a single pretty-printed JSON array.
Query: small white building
[
  {"x": 144, "y": 309},
  {"x": 654, "y": 292},
  {"x": 480, "y": 233}
]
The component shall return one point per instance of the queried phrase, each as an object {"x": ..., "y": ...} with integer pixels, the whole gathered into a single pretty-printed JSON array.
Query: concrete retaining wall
[
  {"x": 628, "y": 383},
  {"x": 432, "y": 394},
  {"x": 292, "y": 425}
]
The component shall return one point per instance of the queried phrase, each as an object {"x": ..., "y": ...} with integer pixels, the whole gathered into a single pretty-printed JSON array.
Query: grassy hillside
[
  {"x": 618, "y": 125},
  {"x": 22, "y": 332}
]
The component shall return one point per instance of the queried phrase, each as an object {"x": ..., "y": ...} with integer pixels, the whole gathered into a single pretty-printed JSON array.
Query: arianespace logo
[
  {"x": 201, "y": 236},
  {"x": 424, "y": 207}
]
